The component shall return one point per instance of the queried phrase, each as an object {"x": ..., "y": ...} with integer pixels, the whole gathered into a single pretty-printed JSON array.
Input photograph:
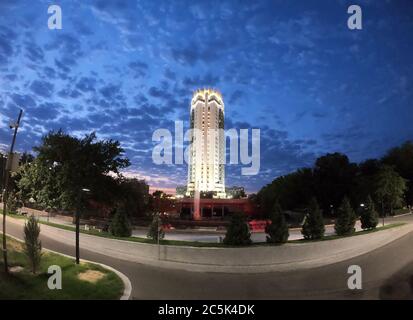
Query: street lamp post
[
  {"x": 6, "y": 187},
  {"x": 159, "y": 232},
  {"x": 78, "y": 223},
  {"x": 78, "y": 231}
]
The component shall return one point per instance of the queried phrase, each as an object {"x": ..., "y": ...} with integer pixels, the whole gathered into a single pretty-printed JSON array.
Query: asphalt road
[{"x": 387, "y": 273}]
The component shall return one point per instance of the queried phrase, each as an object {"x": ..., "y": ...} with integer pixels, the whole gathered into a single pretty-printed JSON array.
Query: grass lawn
[
  {"x": 133, "y": 239},
  {"x": 25, "y": 285},
  {"x": 198, "y": 243},
  {"x": 358, "y": 233}
]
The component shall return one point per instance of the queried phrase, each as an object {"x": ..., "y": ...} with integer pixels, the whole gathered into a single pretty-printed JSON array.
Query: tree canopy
[
  {"x": 390, "y": 188},
  {"x": 401, "y": 159},
  {"x": 334, "y": 177},
  {"x": 65, "y": 165}
]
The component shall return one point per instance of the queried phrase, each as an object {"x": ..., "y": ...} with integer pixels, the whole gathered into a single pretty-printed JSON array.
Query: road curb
[
  {"x": 127, "y": 290},
  {"x": 287, "y": 257}
]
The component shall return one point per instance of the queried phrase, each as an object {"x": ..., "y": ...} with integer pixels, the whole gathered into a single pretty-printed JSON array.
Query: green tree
[
  {"x": 159, "y": 201},
  {"x": 390, "y": 188},
  {"x": 346, "y": 218},
  {"x": 334, "y": 178},
  {"x": 12, "y": 202},
  {"x": 277, "y": 230},
  {"x": 26, "y": 158},
  {"x": 134, "y": 195},
  {"x": 37, "y": 182},
  {"x": 292, "y": 191},
  {"x": 401, "y": 159},
  {"x": 120, "y": 225},
  {"x": 364, "y": 184},
  {"x": 67, "y": 166},
  {"x": 313, "y": 227},
  {"x": 155, "y": 230},
  {"x": 238, "y": 232},
  {"x": 32, "y": 244},
  {"x": 369, "y": 217}
]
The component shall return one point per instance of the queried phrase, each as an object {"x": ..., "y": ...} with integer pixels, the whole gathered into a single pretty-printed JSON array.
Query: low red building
[{"x": 215, "y": 209}]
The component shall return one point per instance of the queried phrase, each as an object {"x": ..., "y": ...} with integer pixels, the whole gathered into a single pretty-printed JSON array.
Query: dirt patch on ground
[
  {"x": 92, "y": 276},
  {"x": 15, "y": 246},
  {"x": 16, "y": 269}
]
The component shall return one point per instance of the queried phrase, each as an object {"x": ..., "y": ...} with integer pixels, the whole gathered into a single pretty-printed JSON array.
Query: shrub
[
  {"x": 277, "y": 231},
  {"x": 120, "y": 225},
  {"x": 32, "y": 244},
  {"x": 238, "y": 231},
  {"x": 12, "y": 202},
  {"x": 369, "y": 217},
  {"x": 155, "y": 229},
  {"x": 313, "y": 227},
  {"x": 346, "y": 219}
]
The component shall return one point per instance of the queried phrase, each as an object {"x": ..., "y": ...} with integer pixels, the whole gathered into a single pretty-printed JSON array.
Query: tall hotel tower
[{"x": 206, "y": 171}]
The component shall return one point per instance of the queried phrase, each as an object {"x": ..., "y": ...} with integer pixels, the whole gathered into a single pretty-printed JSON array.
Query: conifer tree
[
  {"x": 346, "y": 219},
  {"x": 277, "y": 231},
  {"x": 313, "y": 227},
  {"x": 155, "y": 229},
  {"x": 120, "y": 225},
  {"x": 32, "y": 244},
  {"x": 238, "y": 232},
  {"x": 369, "y": 217}
]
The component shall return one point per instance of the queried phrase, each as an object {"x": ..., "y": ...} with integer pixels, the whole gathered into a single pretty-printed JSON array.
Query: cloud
[
  {"x": 23, "y": 100},
  {"x": 126, "y": 68},
  {"x": 11, "y": 77},
  {"x": 69, "y": 93},
  {"x": 49, "y": 72},
  {"x": 110, "y": 91},
  {"x": 204, "y": 81},
  {"x": 236, "y": 96},
  {"x": 67, "y": 44},
  {"x": 86, "y": 84},
  {"x": 170, "y": 74},
  {"x": 64, "y": 65},
  {"x": 159, "y": 93},
  {"x": 6, "y": 47},
  {"x": 45, "y": 111},
  {"x": 318, "y": 114},
  {"x": 194, "y": 52},
  {"x": 34, "y": 53},
  {"x": 42, "y": 88},
  {"x": 138, "y": 69}
]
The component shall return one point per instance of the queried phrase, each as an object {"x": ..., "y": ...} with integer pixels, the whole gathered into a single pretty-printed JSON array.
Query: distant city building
[
  {"x": 206, "y": 170},
  {"x": 235, "y": 192}
]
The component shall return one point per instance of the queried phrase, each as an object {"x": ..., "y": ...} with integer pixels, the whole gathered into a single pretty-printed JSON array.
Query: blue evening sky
[{"x": 291, "y": 68}]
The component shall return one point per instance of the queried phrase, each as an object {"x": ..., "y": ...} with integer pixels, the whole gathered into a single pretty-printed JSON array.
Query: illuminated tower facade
[{"x": 206, "y": 171}]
